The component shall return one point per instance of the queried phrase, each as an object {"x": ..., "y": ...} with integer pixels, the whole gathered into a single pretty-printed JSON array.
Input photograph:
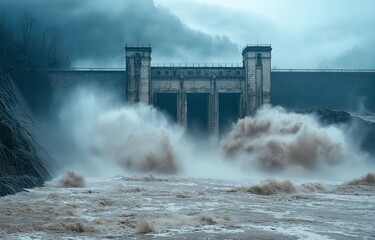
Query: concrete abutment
[{"x": 199, "y": 87}]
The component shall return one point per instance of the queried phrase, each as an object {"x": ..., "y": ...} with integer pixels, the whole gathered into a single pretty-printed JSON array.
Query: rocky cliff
[
  {"x": 23, "y": 163},
  {"x": 360, "y": 126}
]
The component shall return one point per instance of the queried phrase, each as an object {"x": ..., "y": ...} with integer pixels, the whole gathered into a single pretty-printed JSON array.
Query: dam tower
[
  {"x": 138, "y": 73},
  {"x": 257, "y": 64}
]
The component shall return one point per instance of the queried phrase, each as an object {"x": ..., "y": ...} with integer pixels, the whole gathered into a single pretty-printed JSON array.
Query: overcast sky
[{"x": 303, "y": 33}]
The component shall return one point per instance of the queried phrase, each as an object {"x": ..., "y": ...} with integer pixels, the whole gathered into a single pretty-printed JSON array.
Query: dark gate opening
[
  {"x": 197, "y": 113},
  {"x": 167, "y": 104},
  {"x": 229, "y": 111}
]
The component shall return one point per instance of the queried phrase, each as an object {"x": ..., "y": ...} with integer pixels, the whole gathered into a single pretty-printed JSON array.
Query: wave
[
  {"x": 274, "y": 139},
  {"x": 271, "y": 186},
  {"x": 72, "y": 180},
  {"x": 368, "y": 179}
]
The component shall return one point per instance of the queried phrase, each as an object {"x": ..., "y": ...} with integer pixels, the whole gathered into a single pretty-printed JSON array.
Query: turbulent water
[
  {"x": 211, "y": 187},
  {"x": 190, "y": 208},
  {"x": 99, "y": 138}
]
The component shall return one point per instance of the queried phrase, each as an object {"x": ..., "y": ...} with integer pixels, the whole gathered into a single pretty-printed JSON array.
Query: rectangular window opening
[{"x": 259, "y": 59}]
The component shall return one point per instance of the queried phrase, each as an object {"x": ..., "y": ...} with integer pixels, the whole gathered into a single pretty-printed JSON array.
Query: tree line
[{"x": 25, "y": 47}]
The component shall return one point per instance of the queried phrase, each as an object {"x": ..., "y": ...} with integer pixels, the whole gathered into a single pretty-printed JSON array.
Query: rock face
[
  {"x": 23, "y": 164},
  {"x": 327, "y": 116},
  {"x": 362, "y": 125}
]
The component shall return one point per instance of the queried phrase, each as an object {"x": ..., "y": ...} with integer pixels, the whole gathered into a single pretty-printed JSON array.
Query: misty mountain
[{"x": 93, "y": 33}]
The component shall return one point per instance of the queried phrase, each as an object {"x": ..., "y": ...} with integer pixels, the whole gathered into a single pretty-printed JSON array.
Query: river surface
[{"x": 146, "y": 207}]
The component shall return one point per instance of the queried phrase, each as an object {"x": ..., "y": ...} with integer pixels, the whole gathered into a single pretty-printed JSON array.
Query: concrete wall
[
  {"x": 35, "y": 88},
  {"x": 81, "y": 77},
  {"x": 332, "y": 89},
  {"x": 251, "y": 80},
  {"x": 43, "y": 89},
  {"x": 175, "y": 79},
  {"x": 291, "y": 89},
  {"x": 208, "y": 80}
]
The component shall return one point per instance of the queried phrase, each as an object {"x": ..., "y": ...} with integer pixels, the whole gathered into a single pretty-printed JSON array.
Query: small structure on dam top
[
  {"x": 207, "y": 98},
  {"x": 202, "y": 98}
]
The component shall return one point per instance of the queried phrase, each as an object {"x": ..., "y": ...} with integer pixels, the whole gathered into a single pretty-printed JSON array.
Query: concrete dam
[{"x": 209, "y": 98}]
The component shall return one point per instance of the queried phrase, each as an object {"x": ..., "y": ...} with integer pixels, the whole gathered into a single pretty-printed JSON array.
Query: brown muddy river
[{"x": 147, "y": 207}]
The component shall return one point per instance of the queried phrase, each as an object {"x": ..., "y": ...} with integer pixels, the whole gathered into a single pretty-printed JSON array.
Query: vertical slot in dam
[
  {"x": 197, "y": 113},
  {"x": 229, "y": 111},
  {"x": 167, "y": 104}
]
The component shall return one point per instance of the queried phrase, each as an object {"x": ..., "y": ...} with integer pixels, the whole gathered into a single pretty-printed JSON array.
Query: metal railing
[
  {"x": 72, "y": 69},
  {"x": 87, "y": 69},
  {"x": 209, "y": 65},
  {"x": 200, "y": 65},
  {"x": 323, "y": 70},
  {"x": 256, "y": 45},
  {"x": 138, "y": 45}
]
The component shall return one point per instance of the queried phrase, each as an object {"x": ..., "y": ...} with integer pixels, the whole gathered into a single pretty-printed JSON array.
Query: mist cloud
[
  {"x": 361, "y": 56},
  {"x": 92, "y": 31},
  {"x": 96, "y": 136},
  {"x": 312, "y": 34},
  {"x": 275, "y": 140}
]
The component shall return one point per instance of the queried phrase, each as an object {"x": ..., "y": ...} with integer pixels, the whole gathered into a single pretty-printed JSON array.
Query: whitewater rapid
[
  {"x": 211, "y": 187},
  {"x": 187, "y": 208}
]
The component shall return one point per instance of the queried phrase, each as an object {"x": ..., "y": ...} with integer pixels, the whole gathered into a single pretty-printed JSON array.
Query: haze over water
[
  {"x": 145, "y": 177},
  {"x": 98, "y": 137}
]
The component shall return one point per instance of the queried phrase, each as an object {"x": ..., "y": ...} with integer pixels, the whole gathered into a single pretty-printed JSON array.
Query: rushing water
[
  {"x": 187, "y": 208},
  {"x": 193, "y": 201},
  {"x": 97, "y": 137}
]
